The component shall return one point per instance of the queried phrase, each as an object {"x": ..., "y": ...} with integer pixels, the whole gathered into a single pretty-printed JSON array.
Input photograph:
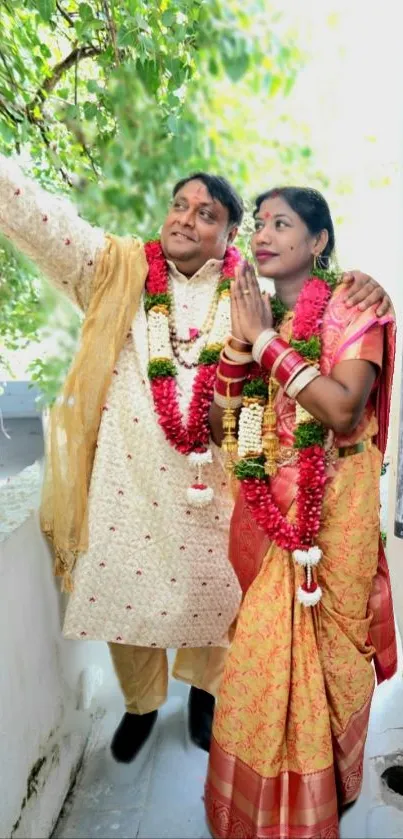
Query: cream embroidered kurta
[{"x": 156, "y": 573}]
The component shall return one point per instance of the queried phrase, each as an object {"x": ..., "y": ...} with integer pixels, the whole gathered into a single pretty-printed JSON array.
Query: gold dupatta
[{"x": 74, "y": 422}]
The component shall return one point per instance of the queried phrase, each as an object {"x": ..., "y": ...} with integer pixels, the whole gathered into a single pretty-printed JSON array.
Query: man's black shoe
[{"x": 131, "y": 734}]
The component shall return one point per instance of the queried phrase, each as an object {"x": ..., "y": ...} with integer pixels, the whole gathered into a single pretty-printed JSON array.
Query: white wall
[{"x": 46, "y": 683}]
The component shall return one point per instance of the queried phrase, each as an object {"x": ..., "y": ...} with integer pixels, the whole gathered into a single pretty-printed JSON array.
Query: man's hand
[{"x": 365, "y": 291}]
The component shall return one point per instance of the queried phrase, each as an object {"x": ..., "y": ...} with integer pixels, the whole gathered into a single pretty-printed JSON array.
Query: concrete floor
[
  {"x": 159, "y": 796},
  {"x": 24, "y": 447}
]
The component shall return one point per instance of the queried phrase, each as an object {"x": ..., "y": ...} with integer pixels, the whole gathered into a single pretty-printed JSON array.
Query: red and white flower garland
[
  {"x": 298, "y": 537},
  {"x": 190, "y": 438}
]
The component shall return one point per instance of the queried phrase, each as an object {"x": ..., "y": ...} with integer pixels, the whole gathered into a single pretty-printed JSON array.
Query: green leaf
[
  {"x": 151, "y": 300},
  {"x": 309, "y": 434},
  {"x": 148, "y": 73},
  {"x": 159, "y": 367},
  {"x": 168, "y": 18},
  {"x": 172, "y": 123},
  {"x": 7, "y": 132},
  {"x": 45, "y": 51},
  {"x": 235, "y": 65},
  {"x": 180, "y": 98},
  {"x": 210, "y": 354},
  {"x": 94, "y": 86},
  {"x": 90, "y": 110},
  {"x": 250, "y": 468},
  {"x": 127, "y": 36},
  {"x": 46, "y": 9},
  {"x": 279, "y": 310},
  {"x": 310, "y": 349},
  {"x": 85, "y": 12},
  {"x": 256, "y": 388},
  {"x": 213, "y": 66}
]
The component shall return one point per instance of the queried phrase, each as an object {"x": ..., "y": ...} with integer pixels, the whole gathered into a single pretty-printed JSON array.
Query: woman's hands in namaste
[{"x": 250, "y": 309}]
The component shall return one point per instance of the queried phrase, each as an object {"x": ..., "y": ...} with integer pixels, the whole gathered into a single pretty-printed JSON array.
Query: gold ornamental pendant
[
  {"x": 270, "y": 442},
  {"x": 229, "y": 443}
]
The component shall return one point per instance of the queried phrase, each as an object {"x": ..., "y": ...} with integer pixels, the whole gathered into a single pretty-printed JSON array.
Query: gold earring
[{"x": 318, "y": 264}]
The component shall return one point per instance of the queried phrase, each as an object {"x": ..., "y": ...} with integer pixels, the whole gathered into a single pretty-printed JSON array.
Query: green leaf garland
[
  {"x": 309, "y": 434},
  {"x": 250, "y": 468},
  {"x": 151, "y": 300},
  {"x": 161, "y": 367},
  {"x": 310, "y": 349},
  {"x": 210, "y": 354},
  {"x": 255, "y": 388}
]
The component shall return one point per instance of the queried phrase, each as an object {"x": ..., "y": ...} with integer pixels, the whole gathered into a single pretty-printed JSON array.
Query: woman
[{"x": 313, "y": 376}]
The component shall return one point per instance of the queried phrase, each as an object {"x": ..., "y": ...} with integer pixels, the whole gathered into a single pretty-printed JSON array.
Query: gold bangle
[
  {"x": 240, "y": 357},
  {"x": 262, "y": 342},
  {"x": 227, "y": 379},
  {"x": 234, "y": 338},
  {"x": 304, "y": 378},
  {"x": 304, "y": 364},
  {"x": 229, "y": 360}
]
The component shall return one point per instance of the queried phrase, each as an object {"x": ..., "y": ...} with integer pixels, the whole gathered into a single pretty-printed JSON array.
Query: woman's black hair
[{"x": 311, "y": 207}]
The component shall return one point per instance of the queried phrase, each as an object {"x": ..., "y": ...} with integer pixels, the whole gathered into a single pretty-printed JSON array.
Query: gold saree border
[
  {"x": 349, "y": 754},
  {"x": 288, "y": 806},
  {"x": 241, "y": 804}
]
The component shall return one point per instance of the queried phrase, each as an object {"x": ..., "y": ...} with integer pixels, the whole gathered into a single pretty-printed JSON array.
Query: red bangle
[
  {"x": 229, "y": 388},
  {"x": 288, "y": 367},
  {"x": 231, "y": 369},
  {"x": 275, "y": 348}
]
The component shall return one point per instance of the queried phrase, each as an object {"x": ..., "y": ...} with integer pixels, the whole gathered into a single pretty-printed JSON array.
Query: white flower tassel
[
  {"x": 200, "y": 458},
  {"x": 199, "y": 494},
  {"x": 310, "y": 592},
  {"x": 250, "y": 430}
]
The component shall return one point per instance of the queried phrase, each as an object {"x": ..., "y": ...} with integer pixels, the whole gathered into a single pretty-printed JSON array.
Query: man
[{"x": 152, "y": 570}]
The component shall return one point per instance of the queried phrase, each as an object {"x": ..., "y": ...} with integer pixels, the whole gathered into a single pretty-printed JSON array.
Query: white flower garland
[
  {"x": 159, "y": 345},
  {"x": 249, "y": 444},
  {"x": 222, "y": 321},
  {"x": 250, "y": 429},
  {"x": 159, "y": 341}
]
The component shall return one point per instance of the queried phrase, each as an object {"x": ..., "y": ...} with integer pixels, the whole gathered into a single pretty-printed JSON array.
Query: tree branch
[
  {"x": 43, "y": 132},
  {"x": 78, "y": 133},
  {"x": 112, "y": 29},
  {"x": 18, "y": 114},
  {"x": 8, "y": 69},
  {"x": 77, "y": 54},
  {"x": 64, "y": 14},
  {"x": 76, "y": 78},
  {"x": 4, "y": 109}
]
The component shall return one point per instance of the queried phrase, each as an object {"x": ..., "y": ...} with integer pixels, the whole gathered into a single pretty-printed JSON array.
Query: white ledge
[{"x": 19, "y": 497}]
